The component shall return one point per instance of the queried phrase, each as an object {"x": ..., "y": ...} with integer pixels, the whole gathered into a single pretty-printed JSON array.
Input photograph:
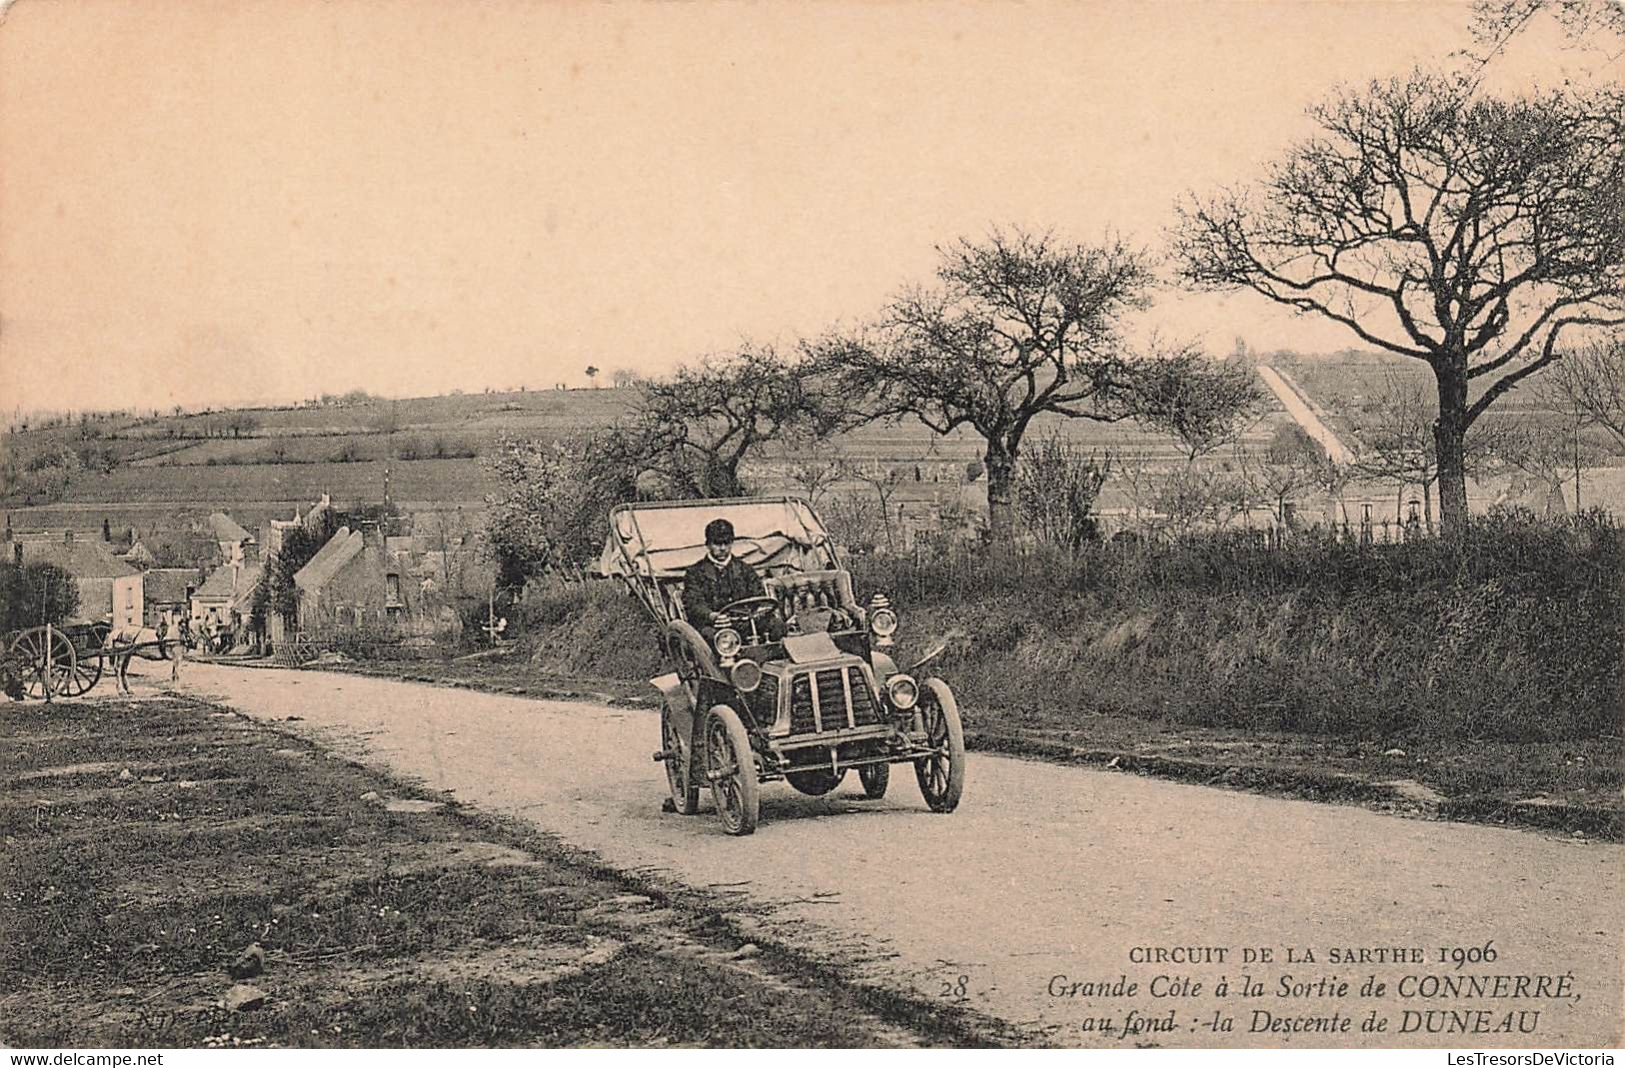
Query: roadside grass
[{"x": 148, "y": 843}]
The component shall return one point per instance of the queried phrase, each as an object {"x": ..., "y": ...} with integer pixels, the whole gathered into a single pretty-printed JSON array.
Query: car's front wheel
[
  {"x": 942, "y": 774},
  {"x": 685, "y": 796},
  {"x": 731, "y": 767},
  {"x": 815, "y": 783},
  {"x": 875, "y": 778}
]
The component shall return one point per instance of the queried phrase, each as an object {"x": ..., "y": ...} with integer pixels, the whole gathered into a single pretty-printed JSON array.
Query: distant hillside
[{"x": 262, "y": 462}]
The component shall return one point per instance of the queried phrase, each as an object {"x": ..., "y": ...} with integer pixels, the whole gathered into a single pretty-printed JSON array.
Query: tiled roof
[
  {"x": 226, "y": 528},
  {"x": 167, "y": 585},
  {"x": 81, "y": 558},
  {"x": 219, "y": 585},
  {"x": 340, "y": 549}
]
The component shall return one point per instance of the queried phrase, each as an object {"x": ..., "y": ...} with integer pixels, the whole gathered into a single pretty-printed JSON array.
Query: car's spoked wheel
[
  {"x": 942, "y": 774},
  {"x": 685, "y": 797},
  {"x": 732, "y": 770},
  {"x": 875, "y": 778}
]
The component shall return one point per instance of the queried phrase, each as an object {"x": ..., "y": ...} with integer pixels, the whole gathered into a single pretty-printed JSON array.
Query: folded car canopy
[{"x": 662, "y": 539}]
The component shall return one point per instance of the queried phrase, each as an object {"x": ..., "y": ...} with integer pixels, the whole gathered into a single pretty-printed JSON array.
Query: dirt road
[
  {"x": 1049, "y": 872},
  {"x": 1287, "y": 393}
]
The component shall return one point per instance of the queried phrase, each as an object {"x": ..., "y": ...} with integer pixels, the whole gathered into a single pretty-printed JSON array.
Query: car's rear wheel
[
  {"x": 942, "y": 774},
  {"x": 731, "y": 767},
  {"x": 685, "y": 796},
  {"x": 875, "y": 778},
  {"x": 815, "y": 783}
]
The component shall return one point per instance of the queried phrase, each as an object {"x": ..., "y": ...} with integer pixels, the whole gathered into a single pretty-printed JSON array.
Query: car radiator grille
[
  {"x": 764, "y": 703},
  {"x": 834, "y": 708}
]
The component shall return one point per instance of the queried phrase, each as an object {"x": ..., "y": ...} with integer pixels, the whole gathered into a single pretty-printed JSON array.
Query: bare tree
[
  {"x": 1550, "y": 450},
  {"x": 1555, "y": 443},
  {"x": 697, "y": 427},
  {"x": 1397, "y": 441},
  {"x": 1464, "y": 231},
  {"x": 1496, "y": 22},
  {"x": 1288, "y": 466},
  {"x": 1589, "y": 383},
  {"x": 810, "y": 462},
  {"x": 1206, "y": 405},
  {"x": 1017, "y": 325},
  {"x": 624, "y": 378},
  {"x": 884, "y": 481}
]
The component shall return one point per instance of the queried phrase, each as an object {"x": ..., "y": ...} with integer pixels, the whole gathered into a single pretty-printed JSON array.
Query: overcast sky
[{"x": 210, "y": 202}]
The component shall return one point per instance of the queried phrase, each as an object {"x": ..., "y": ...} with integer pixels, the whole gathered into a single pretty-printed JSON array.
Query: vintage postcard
[{"x": 832, "y": 525}]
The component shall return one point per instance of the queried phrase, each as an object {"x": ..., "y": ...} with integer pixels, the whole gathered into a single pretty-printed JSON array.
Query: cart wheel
[
  {"x": 87, "y": 672},
  {"x": 731, "y": 767},
  {"x": 46, "y": 666},
  {"x": 875, "y": 778},
  {"x": 685, "y": 796},
  {"x": 942, "y": 774},
  {"x": 815, "y": 783}
]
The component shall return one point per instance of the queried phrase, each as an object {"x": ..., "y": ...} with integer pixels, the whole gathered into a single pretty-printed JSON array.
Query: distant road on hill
[{"x": 1293, "y": 400}]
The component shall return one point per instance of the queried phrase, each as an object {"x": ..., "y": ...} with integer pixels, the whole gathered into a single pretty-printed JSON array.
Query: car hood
[{"x": 811, "y": 648}]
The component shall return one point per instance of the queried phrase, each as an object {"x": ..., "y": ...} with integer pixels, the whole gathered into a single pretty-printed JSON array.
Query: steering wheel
[{"x": 756, "y": 610}]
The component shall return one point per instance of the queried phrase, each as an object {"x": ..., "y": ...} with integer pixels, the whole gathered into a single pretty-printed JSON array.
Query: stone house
[
  {"x": 354, "y": 581},
  {"x": 236, "y": 544},
  {"x": 168, "y": 590},
  {"x": 110, "y": 590},
  {"x": 227, "y": 598}
]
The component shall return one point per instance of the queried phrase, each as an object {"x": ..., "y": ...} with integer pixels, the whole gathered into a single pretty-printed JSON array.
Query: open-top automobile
[{"x": 795, "y": 684}]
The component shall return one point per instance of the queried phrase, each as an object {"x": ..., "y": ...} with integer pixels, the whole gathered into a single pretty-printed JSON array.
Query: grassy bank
[
  {"x": 148, "y": 844},
  {"x": 1513, "y": 635}
]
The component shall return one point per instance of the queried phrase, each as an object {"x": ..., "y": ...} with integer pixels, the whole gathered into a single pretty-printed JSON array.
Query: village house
[
  {"x": 276, "y": 529},
  {"x": 354, "y": 581},
  {"x": 168, "y": 592},
  {"x": 138, "y": 555},
  {"x": 274, "y": 532},
  {"x": 226, "y": 598},
  {"x": 236, "y": 544},
  {"x": 110, "y": 590}
]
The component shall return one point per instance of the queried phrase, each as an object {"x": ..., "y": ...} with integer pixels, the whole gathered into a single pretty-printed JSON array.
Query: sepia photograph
[{"x": 846, "y": 525}]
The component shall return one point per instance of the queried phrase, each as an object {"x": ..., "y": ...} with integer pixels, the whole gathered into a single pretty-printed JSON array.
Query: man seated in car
[{"x": 718, "y": 579}]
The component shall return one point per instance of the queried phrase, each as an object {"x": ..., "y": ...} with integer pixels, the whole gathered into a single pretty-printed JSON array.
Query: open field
[
  {"x": 287, "y": 458},
  {"x": 202, "y": 474},
  {"x": 151, "y": 842}
]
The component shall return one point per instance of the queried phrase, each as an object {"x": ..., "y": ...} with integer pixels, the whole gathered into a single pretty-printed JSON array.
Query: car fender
[
  {"x": 885, "y": 666},
  {"x": 680, "y": 632},
  {"x": 672, "y": 692}
]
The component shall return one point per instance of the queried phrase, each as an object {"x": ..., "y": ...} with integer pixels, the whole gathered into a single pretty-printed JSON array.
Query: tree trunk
[
  {"x": 1001, "y": 473},
  {"x": 1449, "y": 437}
]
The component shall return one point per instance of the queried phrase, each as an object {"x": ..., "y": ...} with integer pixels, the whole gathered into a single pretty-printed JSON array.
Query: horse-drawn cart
[{"x": 68, "y": 661}]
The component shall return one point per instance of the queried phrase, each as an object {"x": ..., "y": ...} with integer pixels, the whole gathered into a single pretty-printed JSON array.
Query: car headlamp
[
  {"x": 883, "y": 621},
  {"x": 728, "y": 643},
  {"x": 903, "y": 692},
  {"x": 746, "y": 676}
]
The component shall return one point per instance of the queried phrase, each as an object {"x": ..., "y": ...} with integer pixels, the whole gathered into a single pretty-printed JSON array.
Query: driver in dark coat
[{"x": 717, "y": 580}]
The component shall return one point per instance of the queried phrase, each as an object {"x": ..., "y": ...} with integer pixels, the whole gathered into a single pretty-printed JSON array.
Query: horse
[{"x": 127, "y": 642}]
